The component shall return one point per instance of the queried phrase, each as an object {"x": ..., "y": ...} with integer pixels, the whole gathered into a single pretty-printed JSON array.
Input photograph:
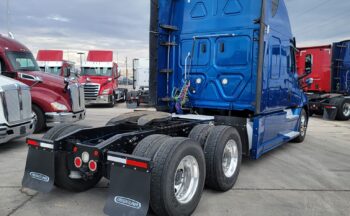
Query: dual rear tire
[
  {"x": 182, "y": 166},
  {"x": 178, "y": 173}
]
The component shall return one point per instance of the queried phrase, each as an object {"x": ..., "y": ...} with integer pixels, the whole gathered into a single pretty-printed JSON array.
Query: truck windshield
[
  {"x": 96, "y": 71},
  {"x": 51, "y": 70},
  {"x": 22, "y": 61}
]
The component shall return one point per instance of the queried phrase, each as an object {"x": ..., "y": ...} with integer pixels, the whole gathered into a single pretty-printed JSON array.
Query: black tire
[
  {"x": 200, "y": 133},
  {"x": 218, "y": 137},
  {"x": 40, "y": 123},
  {"x": 342, "y": 106},
  {"x": 124, "y": 95},
  {"x": 112, "y": 104},
  {"x": 61, "y": 168},
  {"x": 150, "y": 145},
  {"x": 56, "y": 131},
  {"x": 318, "y": 112},
  {"x": 311, "y": 113},
  {"x": 165, "y": 164},
  {"x": 302, "y": 127}
]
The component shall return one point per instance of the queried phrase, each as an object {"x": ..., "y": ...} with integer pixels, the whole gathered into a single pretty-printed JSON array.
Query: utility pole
[
  {"x": 126, "y": 71},
  {"x": 81, "y": 59},
  {"x": 8, "y": 17}
]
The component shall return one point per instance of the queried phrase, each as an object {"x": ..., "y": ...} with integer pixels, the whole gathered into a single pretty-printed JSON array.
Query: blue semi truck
[{"x": 223, "y": 78}]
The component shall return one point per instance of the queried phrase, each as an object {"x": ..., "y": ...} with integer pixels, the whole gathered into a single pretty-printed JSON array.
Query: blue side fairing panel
[{"x": 341, "y": 67}]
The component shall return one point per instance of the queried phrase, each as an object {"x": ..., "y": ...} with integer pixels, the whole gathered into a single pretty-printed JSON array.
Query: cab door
[{"x": 294, "y": 90}]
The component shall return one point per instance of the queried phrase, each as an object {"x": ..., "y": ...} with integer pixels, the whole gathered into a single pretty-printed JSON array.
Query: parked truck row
[
  {"x": 329, "y": 67},
  {"x": 54, "y": 99},
  {"x": 99, "y": 75},
  {"x": 51, "y": 61},
  {"x": 222, "y": 75}
]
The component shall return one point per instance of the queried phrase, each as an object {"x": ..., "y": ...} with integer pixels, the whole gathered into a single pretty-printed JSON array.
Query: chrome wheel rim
[
  {"x": 303, "y": 125},
  {"x": 186, "y": 179},
  {"x": 35, "y": 118},
  {"x": 346, "y": 109},
  {"x": 230, "y": 158}
]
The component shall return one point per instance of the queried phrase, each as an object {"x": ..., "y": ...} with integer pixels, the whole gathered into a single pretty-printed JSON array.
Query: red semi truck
[
  {"x": 99, "y": 75},
  {"x": 329, "y": 94},
  {"x": 51, "y": 61},
  {"x": 55, "y": 99}
]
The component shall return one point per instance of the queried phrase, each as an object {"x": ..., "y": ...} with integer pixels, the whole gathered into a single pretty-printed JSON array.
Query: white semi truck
[
  {"x": 16, "y": 118},
  {"x": 140, "y": 93}
]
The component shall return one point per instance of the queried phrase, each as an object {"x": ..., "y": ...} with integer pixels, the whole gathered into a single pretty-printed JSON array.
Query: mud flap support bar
[
  {"x": 130, "y": 182},
  {"x": 39, "y": 173}
]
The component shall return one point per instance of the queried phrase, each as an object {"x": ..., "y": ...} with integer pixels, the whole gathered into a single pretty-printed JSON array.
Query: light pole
[
  {"x": 8, "y": 17},
  {"x": 81, "y": 58}
]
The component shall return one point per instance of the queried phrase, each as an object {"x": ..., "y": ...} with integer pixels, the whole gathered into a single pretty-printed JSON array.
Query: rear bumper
[
  {"x": 8, "y": 133},
  {"x": 101, "y": 99},
  {"x": 53, "y": 118}
]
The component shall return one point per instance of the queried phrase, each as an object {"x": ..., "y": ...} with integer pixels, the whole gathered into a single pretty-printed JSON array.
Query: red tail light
[
  {"x": 75, "y": 149},
  {"x": 92, "y": 165},
  {"x": 33, "y": 142},
  {"x": 96, "y": 153},
  {"x": 77, "y": 162}
]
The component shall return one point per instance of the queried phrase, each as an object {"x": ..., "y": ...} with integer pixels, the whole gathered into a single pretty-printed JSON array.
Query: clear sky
[{"x": 122, "y": 25}]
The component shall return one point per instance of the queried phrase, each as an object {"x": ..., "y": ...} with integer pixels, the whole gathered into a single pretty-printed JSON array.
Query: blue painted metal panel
[
  {"x": 272, "y": 130},
  {"x": 223, "y": 64},
  {"x": 217, "y": 52},
  {"x": 341, "y": 67}
]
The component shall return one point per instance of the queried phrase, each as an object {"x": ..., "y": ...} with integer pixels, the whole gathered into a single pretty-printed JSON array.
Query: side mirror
[
  {"x": 308, "y": 64},
  {"x": 69, "y": 72},
  {"x": 309, "y": 81}
]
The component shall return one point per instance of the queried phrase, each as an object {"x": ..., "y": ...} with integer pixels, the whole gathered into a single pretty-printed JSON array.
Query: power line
[
  {"x": 314, "y": 8},
  {"x": 311, "y": 26}
]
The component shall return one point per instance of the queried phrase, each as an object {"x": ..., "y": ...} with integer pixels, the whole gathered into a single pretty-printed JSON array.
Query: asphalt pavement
[{"x": 311, "y": 178}]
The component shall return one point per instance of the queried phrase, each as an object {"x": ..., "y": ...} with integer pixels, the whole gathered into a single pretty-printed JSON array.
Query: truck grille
[
  {"x": 91, "y": 91},
  {"x": 77, "y": 97},
  {"x": 17, "y": 104}
]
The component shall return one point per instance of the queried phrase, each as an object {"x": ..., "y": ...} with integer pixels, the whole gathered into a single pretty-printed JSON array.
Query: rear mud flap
[
  {"x": 39, "y": 173},
  {"x": 330, "y": 113},
  {"x": 129, "y": 192},
  {"x": 132, "y": 104}
]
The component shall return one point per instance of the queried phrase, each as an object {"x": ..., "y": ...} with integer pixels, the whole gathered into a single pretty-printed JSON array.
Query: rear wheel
[
  {"x": 200, "y": 133},
  {"x": 112, "y": 104},
  {"x": 39, "y": 119},
  {"x": 343, "y": 106},
  {"x": 303, "y": 123},
  {"x": 178, "y": 175},
  {"x": 223, "y": 155},
  {"x": 62, "y": 172}
]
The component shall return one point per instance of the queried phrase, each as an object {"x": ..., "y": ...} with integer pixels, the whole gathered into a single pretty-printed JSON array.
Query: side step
[{"x": 291, "y": 134}]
